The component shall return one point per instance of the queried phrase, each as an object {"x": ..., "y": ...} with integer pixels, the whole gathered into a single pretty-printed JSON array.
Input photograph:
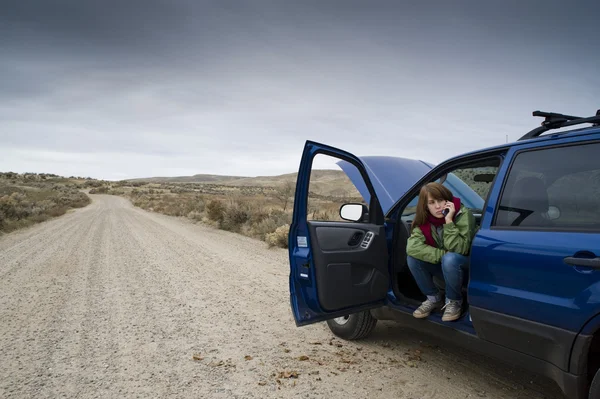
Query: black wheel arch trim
[{"x": 579, "y": 354}]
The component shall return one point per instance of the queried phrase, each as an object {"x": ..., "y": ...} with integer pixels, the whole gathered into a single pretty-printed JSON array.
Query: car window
[
  {"x": 478, "y": 181},
  {"x": 470, "y": 183},
  {"x": 330, "y": 188},
  {"x": 553, "y": 188}
]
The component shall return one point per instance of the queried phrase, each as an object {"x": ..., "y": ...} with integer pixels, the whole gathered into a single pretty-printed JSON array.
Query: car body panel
[{"x": 391, "y": 177}]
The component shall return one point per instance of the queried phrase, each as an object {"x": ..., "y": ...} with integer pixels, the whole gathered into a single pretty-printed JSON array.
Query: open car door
[{"x": 336, "y": 267}]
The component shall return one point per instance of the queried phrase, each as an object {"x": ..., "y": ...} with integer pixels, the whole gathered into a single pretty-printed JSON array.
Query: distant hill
[
  {"x": 323, "y": 176},
  {"x": 200, "y": 178},
  {"x": 325, "y": 182}
]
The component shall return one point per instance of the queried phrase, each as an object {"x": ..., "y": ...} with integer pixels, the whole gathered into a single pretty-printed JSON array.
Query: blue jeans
[{"x": 450, "y": 270}]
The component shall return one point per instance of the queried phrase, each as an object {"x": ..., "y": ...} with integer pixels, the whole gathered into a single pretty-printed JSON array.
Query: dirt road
[{"x": 112, "y": 301}]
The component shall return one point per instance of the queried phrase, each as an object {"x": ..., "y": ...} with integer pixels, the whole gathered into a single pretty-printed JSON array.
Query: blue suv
[{"x": 532, "y": 286}]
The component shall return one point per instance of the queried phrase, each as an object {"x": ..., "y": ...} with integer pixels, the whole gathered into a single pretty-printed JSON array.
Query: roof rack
[{"x": 556, "y": 121}]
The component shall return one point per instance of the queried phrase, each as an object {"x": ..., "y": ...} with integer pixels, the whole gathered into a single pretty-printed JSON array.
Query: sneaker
[
  {"x": 452, "y": 311},
  {"x": 426, "y": 308}
]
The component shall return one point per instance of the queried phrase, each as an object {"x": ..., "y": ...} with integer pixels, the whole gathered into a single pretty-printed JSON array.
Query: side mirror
[{"x": 353, "y": 212}]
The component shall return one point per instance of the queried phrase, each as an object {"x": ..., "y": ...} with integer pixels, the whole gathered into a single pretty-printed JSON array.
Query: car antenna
[{"x": 556, "y": 121}]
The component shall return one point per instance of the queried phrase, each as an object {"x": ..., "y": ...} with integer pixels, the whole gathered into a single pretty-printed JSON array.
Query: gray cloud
[{"x": 138, "y": 88}]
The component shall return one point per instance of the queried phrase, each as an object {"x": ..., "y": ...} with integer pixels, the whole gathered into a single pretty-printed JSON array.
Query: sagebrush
[
  {"x": 264, "y": 213},
  {"x": 31, "y": 198}
]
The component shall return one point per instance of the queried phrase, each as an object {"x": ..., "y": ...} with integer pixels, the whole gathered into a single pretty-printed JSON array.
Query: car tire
[
  {"x": 595, "y": 387},
  {"x": 354, "y": 326}
]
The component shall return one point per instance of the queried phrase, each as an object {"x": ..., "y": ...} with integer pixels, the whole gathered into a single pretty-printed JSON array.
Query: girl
[{"x": 438, "y": 245}]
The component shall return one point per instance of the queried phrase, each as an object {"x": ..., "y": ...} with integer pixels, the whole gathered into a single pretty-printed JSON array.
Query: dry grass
[
  {"x": 30, "y": 198},
  {"x": 252, "y": 215},
  {"x": 262, "y": 211}
]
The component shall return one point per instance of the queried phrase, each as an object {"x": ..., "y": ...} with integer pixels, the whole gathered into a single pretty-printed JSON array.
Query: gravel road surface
[{"x": 111, "y": 301}]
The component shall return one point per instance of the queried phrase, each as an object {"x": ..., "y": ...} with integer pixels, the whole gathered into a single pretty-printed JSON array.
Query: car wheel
[
  {"x": 353, "y": 326},
  {"x": 595, "y": 387}
]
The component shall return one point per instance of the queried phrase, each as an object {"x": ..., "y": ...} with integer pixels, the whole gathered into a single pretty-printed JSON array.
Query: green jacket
[{"x": 457, "y": 237}]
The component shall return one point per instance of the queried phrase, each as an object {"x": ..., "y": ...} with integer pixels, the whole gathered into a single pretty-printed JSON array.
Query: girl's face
[{"x": 435, "y": 206}]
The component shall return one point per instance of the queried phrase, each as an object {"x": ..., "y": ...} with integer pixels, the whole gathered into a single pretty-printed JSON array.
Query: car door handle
[
  {"x": 356, "y": 237},
  {"x": 594, "y": 263}
]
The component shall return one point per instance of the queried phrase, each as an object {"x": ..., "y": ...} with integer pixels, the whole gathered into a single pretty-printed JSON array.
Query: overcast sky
[{"x": 137, "y": 88}]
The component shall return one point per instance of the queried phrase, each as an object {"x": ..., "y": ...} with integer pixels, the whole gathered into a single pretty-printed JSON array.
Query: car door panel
[
  {"x": 336, "y": 267},
  {"x": 359, "y": 271},
  {"x": 336, "y": 238}
]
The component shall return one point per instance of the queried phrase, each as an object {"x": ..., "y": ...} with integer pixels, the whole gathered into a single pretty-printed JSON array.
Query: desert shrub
[
  {"x": 79, "y": 200},
  {"x": 171, "y": 208},
  {"x": 279, "y": 238},
  {"x": 8, "y": 207},
  {"x": 192, "y": 204},
  {"x": 234, "y": 216},
  {"x": 36, "y": 201},
  {"x": 257, "y": 216},
  {"x": 140, "y": 200},
  {"x": 199, "y": 204},
  {"x": 280, "y": 217},
  {"x": 93, "y": 183},
  {"x": 215, "y": 210},
  {"x": 99, "y": 190},
  {"x": 116, "y": 191},
  {"x": 15, "y": 206},
  {"x": 261, "y": 229},
  {"x": 324, "y": 215}
]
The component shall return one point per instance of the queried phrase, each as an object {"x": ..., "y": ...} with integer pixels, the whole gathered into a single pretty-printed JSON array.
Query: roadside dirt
[{"x": 113, "y": 301}]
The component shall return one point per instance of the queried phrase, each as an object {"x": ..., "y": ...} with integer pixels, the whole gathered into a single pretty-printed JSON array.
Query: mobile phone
[{"x": 445, "y": 211}]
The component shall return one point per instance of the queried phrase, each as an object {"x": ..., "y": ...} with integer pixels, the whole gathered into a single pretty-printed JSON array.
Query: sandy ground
[{"x": 112, "y": 301}]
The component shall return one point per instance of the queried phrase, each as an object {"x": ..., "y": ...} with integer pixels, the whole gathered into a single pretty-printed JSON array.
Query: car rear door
[
  {"x": 336, "y": 267},
  {"x": 535, "y": 263}
]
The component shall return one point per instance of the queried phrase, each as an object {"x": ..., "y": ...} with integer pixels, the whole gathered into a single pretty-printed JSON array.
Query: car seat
[{"x": 530, "y": 197}]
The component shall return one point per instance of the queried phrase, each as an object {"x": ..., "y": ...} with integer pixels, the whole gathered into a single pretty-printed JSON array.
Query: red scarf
[{"x": 437, "y": 222}]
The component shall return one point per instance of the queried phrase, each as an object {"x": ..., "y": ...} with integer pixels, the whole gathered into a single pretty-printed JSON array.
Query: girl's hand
[{"x": 452, "y": 211}]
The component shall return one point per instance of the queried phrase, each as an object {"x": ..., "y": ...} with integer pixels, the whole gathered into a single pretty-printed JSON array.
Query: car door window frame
[
  {"x": 375, "y": 211},
  {"x": 448, "y": 167}
]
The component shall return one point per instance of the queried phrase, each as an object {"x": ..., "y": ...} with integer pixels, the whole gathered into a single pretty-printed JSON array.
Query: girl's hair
[{"x": 438, "y": 192}]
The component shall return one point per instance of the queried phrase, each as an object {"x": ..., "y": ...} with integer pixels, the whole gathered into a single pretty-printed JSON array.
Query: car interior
[{"x": 480, "y": 174}]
